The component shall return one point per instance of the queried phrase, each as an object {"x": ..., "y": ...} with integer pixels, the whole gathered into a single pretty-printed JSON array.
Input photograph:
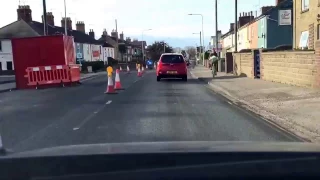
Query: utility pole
[
  {"x": 200, "y": 49},
  {"x": 236, "y": 26},
  {"x": 216, "y": 11},
  {"x": 45, "y": 18},
  {"x": 65, "y": 18}
]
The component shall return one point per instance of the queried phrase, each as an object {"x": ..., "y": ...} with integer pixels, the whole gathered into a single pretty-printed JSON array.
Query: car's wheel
[
  {"x": 158, "y": 78},
  {"x": 185, "y": 78}
]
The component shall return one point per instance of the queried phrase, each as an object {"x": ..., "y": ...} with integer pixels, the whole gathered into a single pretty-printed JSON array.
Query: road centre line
[{"x": 90, "y": 116}]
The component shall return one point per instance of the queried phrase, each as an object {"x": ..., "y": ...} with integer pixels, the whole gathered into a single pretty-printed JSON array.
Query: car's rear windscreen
[{"x": 172, "y": 59}]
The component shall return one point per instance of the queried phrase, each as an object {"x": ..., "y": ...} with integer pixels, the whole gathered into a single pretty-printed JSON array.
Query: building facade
[
  {"x": 271, "y": 29},
  {"x": 306, "y": 18}
]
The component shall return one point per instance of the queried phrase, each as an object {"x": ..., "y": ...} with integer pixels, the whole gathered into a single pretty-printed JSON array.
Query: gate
[
  {"x": 256, "y": 64},
  {"x": 229, "y": 62}
]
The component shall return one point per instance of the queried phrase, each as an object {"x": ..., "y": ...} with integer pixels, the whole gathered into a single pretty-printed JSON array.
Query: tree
[
  {"x": 191, "y": 51},
  {"x": 184, "y": 53},
  {"x": 157, "y": 48}
]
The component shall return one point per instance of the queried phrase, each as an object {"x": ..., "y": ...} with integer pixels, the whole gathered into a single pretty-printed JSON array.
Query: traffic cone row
[{"x": 111, "y": 88}]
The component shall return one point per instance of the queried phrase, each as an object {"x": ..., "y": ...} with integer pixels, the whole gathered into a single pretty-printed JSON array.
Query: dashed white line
[
  {"x": 90, "y": 116},
  {"x": 109, "y": 102},
  {"x": 229, "y": 102}
]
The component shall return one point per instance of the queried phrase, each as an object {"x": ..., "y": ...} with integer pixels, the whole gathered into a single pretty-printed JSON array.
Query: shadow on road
[
  {"x": 179, "y": 81},
  {"x": 167, "y": 115}
]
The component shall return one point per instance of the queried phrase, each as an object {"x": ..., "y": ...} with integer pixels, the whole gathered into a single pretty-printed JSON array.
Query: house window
[
  {"x": 304, "y": 5},
  {"x": 9, "y": 65},
  {"x": 304, "y": 39}
]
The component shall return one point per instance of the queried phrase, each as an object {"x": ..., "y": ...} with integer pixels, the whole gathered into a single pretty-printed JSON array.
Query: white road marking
[
  {"x": 109, "y": 102},
  {"x": 229, "y": 102},
  {"x": 90, "y": 116}
]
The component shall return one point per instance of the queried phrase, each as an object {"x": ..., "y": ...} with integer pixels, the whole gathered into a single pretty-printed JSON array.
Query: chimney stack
[
  {"x": 50, "y": 18},
  {"x": 128, "y": 39},
  {"x": 25, "y": 13},
  {"x": 104, "y": 32},
  {"x": 69, "y": 23},
  {"x": 91, "y": 33},
  {"x": 231, "y": 27},
  {"x": 80, "y": 26},
  {"x": 265, "y": 9},
  {"x": 279, "y": 2},
  {"x": 114, "y": 34},
  {"x": 122, "y": 36},
  {"x": 246, "y": 18}
]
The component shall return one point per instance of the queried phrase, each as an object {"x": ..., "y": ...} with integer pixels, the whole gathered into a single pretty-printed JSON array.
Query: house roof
[
  {"x": 79, "y": 36},
  {"x": 104, "y": 43}
]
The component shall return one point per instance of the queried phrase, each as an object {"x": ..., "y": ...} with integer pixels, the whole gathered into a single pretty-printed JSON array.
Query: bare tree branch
[{"x": 191, "y": 51}]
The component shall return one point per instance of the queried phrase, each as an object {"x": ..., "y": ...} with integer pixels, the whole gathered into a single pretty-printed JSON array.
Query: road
[{"x": 146, "y": 111}]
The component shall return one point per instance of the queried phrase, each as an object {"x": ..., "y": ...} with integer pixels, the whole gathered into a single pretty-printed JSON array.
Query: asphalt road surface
[{"x": 146, "y": 111}]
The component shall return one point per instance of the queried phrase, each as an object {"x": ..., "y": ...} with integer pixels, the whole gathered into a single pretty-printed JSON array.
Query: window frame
[{"x": 305, "y": 8}]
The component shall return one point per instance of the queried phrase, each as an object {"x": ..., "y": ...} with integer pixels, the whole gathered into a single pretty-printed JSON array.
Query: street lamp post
[
  {"x": 142, "y": 45},
  {"x": 65, "y": 18},
  {"x": 202, "y": 34},
  {"x": 45, "y": 28},
  {"x": 200, "y": 43}
]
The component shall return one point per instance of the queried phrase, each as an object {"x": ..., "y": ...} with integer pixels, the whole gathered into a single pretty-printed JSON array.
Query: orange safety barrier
[{"x": 56, "y": 74}]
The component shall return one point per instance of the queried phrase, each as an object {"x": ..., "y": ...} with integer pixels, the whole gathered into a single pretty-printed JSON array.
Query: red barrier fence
[{"x": 57, "y": 74}]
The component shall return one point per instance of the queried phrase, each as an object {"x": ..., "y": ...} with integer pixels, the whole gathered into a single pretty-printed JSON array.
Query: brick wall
[
  {"x": 290, "y": 67},
  {"x": 243, "y": 64}
]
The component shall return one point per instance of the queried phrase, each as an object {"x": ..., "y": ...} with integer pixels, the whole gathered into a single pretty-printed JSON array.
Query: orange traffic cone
[
  {"x": 120, "y": 68},
  {"x": 139, "y": 72},
  {"x": 128, "y": 69},
  {"x": 146, "y": 66},
  {"x": 142, "y": 70},
  {"x": 110, "y": 88},
  {"x": 118, "y": 86}
]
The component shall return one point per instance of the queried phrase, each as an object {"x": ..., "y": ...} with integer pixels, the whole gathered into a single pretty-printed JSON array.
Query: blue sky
[{"x": 168, "y": 19}]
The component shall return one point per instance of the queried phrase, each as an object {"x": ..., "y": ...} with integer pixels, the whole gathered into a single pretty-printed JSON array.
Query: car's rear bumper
[{"x": 172, "y": 75}]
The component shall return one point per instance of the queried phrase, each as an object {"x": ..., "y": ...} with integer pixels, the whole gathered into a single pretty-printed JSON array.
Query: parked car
[{"x": 172, "y": 65}]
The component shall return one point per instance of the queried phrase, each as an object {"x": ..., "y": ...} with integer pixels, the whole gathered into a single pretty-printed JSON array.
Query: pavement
[
  {"x": 145, "y": 111},
  {"x": 292, "y": 108},
  {"x": 7, "y": 79},
  {"x": 7, "y": 83}
]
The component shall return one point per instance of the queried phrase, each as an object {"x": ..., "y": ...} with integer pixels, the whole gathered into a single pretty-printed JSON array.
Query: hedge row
[{"x": 96, "y": 65}]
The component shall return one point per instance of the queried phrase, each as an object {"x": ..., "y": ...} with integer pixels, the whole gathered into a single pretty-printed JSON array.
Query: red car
[{"x": 172, "y": 65}]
